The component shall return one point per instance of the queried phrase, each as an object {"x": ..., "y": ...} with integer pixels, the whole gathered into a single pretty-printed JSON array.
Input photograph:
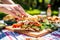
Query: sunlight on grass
[
  {"x": 55, "y": 12},
  {"x": 33, "y": 12},
  {"x": 40, "y": 1}
]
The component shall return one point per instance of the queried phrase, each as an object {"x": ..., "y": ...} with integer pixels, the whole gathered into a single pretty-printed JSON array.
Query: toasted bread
[{"x": 29, "y": 33}]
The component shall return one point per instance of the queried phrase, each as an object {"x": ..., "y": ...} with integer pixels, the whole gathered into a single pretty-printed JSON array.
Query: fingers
[
  {"x": 15, "y": 10},
  {"x": 7, "y": 2},
  {"x": 21, "y": 10},
  {"x": 8, "y": 10},
  {"x": 16, "y": 13}
]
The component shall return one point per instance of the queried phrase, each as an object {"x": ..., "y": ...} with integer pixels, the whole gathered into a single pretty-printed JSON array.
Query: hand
[{"x": 15, "y": 10}]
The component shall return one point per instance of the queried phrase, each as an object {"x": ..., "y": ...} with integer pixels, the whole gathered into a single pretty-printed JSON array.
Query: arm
[{"x": 7, "y": 2}]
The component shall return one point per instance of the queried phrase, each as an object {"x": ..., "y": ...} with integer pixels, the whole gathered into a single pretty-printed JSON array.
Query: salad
[{"x": 34, "y": 23}]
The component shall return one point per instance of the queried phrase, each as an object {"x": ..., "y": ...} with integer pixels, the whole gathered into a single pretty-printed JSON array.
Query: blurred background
[{"x": 34, "y": 7}]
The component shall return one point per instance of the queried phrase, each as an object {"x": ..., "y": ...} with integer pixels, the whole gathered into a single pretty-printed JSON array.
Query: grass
[
  {"x": 37, "y": 12},
  {"x": 55, "y": 13},
  {"x": 33, "y": 12}
]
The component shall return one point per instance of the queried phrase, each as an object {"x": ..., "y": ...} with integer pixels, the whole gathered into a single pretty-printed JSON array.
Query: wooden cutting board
[{"x": 29, "y": 33}]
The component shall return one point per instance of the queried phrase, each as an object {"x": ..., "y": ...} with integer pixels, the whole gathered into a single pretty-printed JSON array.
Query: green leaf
[
  {"x": 2, "y": 15},
  {"x": 42, "y": 27}
]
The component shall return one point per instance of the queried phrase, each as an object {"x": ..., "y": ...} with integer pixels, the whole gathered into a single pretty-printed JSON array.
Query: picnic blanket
[{"x": 8, "y": 35}]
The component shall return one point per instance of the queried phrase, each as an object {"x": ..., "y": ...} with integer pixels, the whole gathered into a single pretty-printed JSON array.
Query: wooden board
[{"x": 29, "y": 33}]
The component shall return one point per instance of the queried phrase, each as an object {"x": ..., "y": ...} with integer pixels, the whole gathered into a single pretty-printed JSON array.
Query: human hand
[{"x": 15, "y": 10}]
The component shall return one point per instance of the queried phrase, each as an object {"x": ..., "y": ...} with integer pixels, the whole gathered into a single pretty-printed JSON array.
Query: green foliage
[
  {"x": 38, "y": 4},
  {"x": 47, "y": 1},
  {"x": 33, "y": 12},
  {"x": 55, "y": 13},
  {"x": 23, "y": 3},
  {"x": 2, "y": 15},
  {"x": 40, "y": 1}
]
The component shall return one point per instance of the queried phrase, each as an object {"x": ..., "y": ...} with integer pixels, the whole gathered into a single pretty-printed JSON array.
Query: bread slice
[
  {"x": 29, "y": 33},
  {"x": 35, "y": 34}
]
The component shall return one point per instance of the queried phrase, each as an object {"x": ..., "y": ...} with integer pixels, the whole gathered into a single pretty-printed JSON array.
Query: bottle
[
  {"x": 59, "y": 12},
  {"x": 49, "y": 10}
]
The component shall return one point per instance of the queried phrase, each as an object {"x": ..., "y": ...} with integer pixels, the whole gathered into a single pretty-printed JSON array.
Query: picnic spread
[{"x": 16, "y": 24}]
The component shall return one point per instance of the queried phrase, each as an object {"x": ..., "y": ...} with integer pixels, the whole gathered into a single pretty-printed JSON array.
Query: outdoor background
[{"x": 35, "y": 7}]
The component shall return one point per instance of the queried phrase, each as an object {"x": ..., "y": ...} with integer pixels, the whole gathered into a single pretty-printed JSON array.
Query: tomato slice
[
  {"x": 15, "y": 26},
  {"x": 37, "y": 24}
]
